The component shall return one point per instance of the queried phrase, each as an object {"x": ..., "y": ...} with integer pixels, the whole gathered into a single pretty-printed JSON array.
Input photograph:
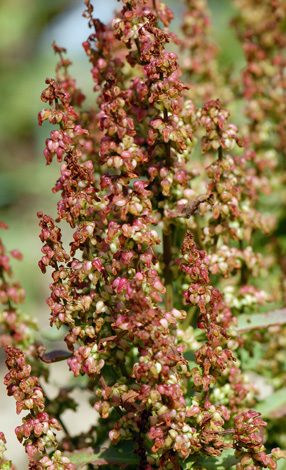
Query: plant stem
[
  {"x": 57, "y": 417},
  {"x": 2, "y": 276},
  {"x": 137, "y": 42},
  {"x": 198, "y": 233},
  {"x": 63, "y": 426},
  {"x": 167, "y": 237},
  {"x": 167, "y": 257},
  {"x": 244, "y": 270},
  {"x": 220, "y": 153}
]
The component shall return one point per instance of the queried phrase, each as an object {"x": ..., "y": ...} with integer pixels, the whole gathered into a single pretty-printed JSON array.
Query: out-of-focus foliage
[
  {"x": 24, "y": 65},
  {"x": 21, "y": 24}
]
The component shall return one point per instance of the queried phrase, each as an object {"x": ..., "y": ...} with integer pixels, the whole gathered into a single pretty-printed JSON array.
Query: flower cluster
[
  {"x": 56, "y": 462},
  {"x": 248, "y": 434},
  {"x": 152, "y": 335},
  {"x": 115, "y": 287},
  {"x": 61, "y": 140},
  {"x": 213, "y": 118},
  {"x": 16, "y": 328},
  {"x": 200, "y": 54},
  {"x": 4, "y": 464},
  {"x": 211, "y": 358},
  {"x": 37, "y": 430},
  {"x": 263, "y": 88}
]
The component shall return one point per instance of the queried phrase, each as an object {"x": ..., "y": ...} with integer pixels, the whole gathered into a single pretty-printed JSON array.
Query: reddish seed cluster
[
  {"x": 214, "y": 119},
  {"x": 16, "y": 328},
  {"x": 64, "y": 114},
  {"x": 200, "y": 54},
  {"x": 211, "y": 358},
  {"x": 2, "y": 445},
  {"x": 115, "y": 289},
  {"x": 128, "y": 184},
  {"x": 56, "y": 462},
  {"x": 4, "y": 463},
  {"x": 248, "y": 441},
  {"x": 263, "y": 86},
  {"x": 37, "y": 428},
  {"x": 37, "y": 434}
]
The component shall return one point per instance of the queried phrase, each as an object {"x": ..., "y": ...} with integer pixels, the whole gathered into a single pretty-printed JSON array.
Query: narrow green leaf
[
  {"x": 261, "y": 320},
  {"x": 121, "y": 455},
  {"x": 281, "y": 464},
  {"x": 226, "y": 461},
  {"x": 274, "y": 406}
]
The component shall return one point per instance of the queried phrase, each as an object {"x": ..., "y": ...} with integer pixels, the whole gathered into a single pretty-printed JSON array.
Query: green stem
[
  {"x": 220, "y": 157},
  {"x": 167, "y": 237},
  {"x": 167, "y": 258},
  {"x": 137, "y": 42},
  {"x": 244, "y": 271},
  {"x": 198, "y": 233},
  {"x": 220, "y": 153},
  {"x": 57, "y": 417},
  {"x": 187, "y": 322},
  {"x": 63, "y": 426},
  {"x": 9, "y": 303}
]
